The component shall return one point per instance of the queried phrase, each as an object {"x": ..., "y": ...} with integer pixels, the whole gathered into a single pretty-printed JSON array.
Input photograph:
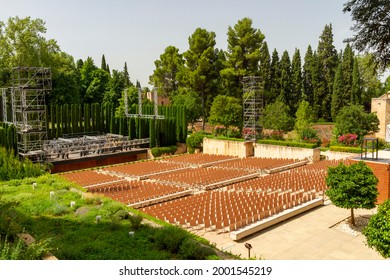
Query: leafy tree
[
  {"x": 372, "y": 33},
  {"x": 115, "y": 87},
  {"x": 200, "y": 73},
  {"x": 22, "y": 43},
  {"x": 377, "y": 230},
  {"x": 243, "y": 55},
  {"x": 167, "y": 68},
  {"x": 65, "y": 80},
  {"x": 227, "y": 111},
  {"x": 386, "y": 87},
  {"x": 97, "y": 87},
  {"x": 371, "y": 84},
  {"x": 190, "y": 100},
  {"x": 277, "y": 117},
  {"x": 352, "y": 187},
  {"x": 304, "y": 117},
  {"x": 353, "y": 119}
]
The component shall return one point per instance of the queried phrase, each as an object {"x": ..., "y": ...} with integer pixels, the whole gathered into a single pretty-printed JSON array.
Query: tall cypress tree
[
  {"x": 307, "y": 87},
  {"x": 328, "y": 60},
  {"x": 357, "y": 89},
  {"x": 338, "y": 100},
  {"x": 285, "y": 80},
  {"x": 274, "y": 77},
  {"x": 296, "y": 81},
  {"x": 265, "y": 71},
  {"x": 347, "y": 63}
]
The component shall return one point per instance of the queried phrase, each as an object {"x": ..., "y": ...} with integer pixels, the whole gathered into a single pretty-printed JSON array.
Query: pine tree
[
  {"x": 243, "y": 55},
  {"x": 103, "y": 65}
]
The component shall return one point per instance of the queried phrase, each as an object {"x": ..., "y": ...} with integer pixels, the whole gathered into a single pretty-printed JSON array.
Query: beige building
[{"x": 381, "y": 106}]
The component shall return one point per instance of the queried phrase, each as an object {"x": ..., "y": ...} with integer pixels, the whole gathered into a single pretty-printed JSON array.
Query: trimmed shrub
[
  {"x": 289, "y": 144},
  {"x": 135, "y": 221},
  {"x": 345, "y": 149}
]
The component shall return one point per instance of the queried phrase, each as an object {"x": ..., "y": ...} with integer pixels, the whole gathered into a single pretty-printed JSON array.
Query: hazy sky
[{"x": 137, "y": 32}]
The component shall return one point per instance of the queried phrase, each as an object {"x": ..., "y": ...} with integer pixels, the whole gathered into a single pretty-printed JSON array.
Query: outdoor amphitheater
[{"x": 213, "y": 193}]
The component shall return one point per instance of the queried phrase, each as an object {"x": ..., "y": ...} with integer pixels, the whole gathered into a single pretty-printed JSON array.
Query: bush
[
  {"x": 192, "y": 250},
  {"x": 345, "y": 149},
  {"x": 348, "y": 139},
  {"x": 288, "y": 144},
  {"x": 135, "y": 221},
  {"x": 195, "y": 140},
  {"x": 273, "y": 135},
  {"x": 170, "y": 238},
  {"x": 309, "y": 135},
  {"x": 157, "y": 152}
]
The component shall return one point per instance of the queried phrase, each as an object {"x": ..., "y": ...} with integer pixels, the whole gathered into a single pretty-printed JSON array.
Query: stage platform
[{"x": 75, "y": 162}]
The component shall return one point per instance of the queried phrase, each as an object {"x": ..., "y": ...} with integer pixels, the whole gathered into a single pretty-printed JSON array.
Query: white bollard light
[
  {"x": 98, "y": 219},
  {"x": 72, "y": 204},
  {"x": 51, "y": 194}
]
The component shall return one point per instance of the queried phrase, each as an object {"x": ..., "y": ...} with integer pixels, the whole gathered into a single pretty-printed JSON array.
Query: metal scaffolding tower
[
  {"x": 4, "y": 104},
  {"x": 252, "y": 107},
  {"x": 29, "y": 88}
]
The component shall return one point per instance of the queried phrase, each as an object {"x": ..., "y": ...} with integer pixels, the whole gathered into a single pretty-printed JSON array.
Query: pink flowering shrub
[{"x": 348, "y": 139}]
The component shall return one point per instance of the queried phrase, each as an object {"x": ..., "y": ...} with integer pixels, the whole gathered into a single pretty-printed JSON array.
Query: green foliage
[
  {"x": 289, "y": 144},
  {"x": 192, "y": 250},
  {"x": 157, "y": 152},
  {"x": 371, "y": 28},
  {"x": 353, "y": 119},
  {"x": 304, "y": 117},
  {"x": 75, "y": 234},
  {"x": 135, "y": 221},
  {"x": 12, "y": 168},
  {"x": 377, "y": 232},
  {"x": 227, "y": 111},
  {"x": 352, "y": 186},
  {"x": 345, "y": 149},
  {"x": 309, "y": 135},
  {"x": 195, "y": 140},
  {"x": 276, "y": 116},
  {"x": 170, "y": 238}
]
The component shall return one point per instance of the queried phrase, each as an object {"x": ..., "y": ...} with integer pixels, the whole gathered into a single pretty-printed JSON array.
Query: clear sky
[{"x": 137, "y": 32}]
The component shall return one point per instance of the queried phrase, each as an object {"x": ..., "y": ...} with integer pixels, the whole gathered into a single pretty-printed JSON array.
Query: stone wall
[
  {"x": 274, "y": 151},
  {"x": 228, "y": 148},
  {"x": 381, "y": 106}
]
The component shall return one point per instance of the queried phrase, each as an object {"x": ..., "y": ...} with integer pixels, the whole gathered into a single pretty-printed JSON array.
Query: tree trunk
[{"x": 352, "y": 217}]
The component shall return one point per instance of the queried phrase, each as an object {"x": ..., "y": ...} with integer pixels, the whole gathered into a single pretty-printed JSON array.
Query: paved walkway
[{"x": 309, "y": 236}]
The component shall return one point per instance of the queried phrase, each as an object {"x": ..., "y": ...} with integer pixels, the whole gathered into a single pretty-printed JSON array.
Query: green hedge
[
  {"x": 344, "y": 149},
  {"x": 157, "y": 152},
  {"x": 288, "y": 144},
  {"x": 225, "y": 138}
]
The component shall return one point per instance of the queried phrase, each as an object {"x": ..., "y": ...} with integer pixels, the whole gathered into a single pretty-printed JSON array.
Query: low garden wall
[
  {"x": 275, "y": 151},
  {"x": 247, "y": 149},
  {"x": 227, "y": 147}
]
